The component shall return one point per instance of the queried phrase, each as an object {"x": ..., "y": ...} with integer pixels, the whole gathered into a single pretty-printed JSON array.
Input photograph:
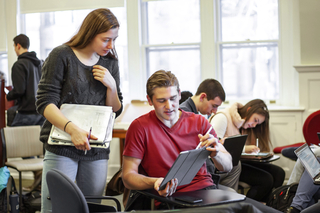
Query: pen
[
  {"x": 257, "y": 143},
  {"x": 205, "y": 134},
  {"x": 85, "y": 151}
]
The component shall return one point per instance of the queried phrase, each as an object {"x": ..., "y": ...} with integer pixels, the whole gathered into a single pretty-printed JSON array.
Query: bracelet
[{"x": 64, "y": 129}]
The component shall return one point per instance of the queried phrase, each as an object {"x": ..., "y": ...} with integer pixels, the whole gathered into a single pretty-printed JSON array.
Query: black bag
[
  {"x": 137, "y": 201},
  {"x": 281, "y": 197},
  {"x": 32, "y": 201},
  {"x": 3, "y": 199}
]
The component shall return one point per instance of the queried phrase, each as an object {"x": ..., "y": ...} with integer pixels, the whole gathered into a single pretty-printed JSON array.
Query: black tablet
[
  {"x": 234, "y": 145},
  {"x": 186, "y": 166}
]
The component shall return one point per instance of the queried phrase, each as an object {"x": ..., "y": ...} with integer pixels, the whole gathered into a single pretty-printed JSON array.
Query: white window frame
[
  {"x": 288, "y": 42},
  {"x": 145, "y": 44},
  {"x": 220, "y": 43},
  {"x": 289, "y": 46}
]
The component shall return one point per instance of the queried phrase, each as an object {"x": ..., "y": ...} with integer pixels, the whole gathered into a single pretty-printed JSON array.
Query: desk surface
[{"x": 209, "y": 197}]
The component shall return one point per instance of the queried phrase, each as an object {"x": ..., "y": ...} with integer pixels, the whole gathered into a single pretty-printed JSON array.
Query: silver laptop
[{"x": 309, "y": 161}]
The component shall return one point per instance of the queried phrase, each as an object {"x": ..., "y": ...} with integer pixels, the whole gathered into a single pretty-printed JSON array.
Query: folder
[{"x": 99, "y": 118}]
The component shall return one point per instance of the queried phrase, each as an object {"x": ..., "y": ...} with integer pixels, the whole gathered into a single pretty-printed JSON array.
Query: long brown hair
[
  {"x": 96, "y": 22},
  {"x": 261, "y": 131}
]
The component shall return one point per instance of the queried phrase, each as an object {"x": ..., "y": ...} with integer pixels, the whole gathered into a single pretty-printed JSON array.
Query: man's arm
[
  {"x": 219, "y": 155},
  {"x": 222, "y": 159},
  {"x": 135, "y": 181}
]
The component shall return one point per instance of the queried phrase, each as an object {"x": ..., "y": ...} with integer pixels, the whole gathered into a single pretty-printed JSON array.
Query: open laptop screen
[{"x": 308, "y": 159}]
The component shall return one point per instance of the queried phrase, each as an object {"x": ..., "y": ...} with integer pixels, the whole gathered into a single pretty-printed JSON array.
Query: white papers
[{"x": 100, "y": 118}]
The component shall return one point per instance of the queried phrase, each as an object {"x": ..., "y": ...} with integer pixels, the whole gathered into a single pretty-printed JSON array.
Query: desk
[
  {"x": 121, "y": 134},
  {"x": 213, "y": 201},
  {"x": 209, "y": 197},
  {"x": 267, "y": 160}
]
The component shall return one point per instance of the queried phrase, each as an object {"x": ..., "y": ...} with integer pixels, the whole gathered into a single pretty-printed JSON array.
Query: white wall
[
  {"x": 310, "y": 31},
  {"x": 3, "y": 40}
]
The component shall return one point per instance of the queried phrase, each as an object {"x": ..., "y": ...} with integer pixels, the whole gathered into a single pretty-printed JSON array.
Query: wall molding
[{"x": 307, "y": 68}]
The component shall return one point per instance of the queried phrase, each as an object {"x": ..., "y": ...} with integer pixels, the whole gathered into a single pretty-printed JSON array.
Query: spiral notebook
[{"x": 99, "y": 118}]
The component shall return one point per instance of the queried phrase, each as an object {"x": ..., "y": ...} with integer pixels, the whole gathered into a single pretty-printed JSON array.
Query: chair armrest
[{"x": 106, "y": 198}]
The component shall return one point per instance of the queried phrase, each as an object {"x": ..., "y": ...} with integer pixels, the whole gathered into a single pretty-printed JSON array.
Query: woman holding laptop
[{"x": 251, "y": 119}]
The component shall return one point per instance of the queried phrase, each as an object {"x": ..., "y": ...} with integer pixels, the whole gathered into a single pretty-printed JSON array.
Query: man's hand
[
  {"x": 219, "y": 155},
  {"x": 171, "y": 187},
  {"x": 210, "y": 142}
]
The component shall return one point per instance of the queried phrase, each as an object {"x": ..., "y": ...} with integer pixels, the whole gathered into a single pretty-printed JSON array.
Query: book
[{"x": 99, "y": 118}]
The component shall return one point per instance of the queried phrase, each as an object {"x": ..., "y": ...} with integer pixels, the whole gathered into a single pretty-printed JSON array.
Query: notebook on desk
[
  {"x": 256, "y": 156},
  {"x": 186, "y": 166},
  {"x": 309, "y": 161},
  {"x": 99, "y": 118}
]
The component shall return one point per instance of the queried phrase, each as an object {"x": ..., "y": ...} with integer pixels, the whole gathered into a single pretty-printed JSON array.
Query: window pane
[
  {"x": 184, "y": 62},
  {"x": 243, "y": 20},
  {"x": 4, "y": 68},
  {"x": 173, "y": 21},
  {"x": 250, "y": 71},
  {"x": 51, "y": 29}
]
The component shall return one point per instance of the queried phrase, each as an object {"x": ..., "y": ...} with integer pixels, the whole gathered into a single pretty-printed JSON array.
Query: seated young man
[
  {"x": 155, "y": 140},
  {"x": 209, "y": 96}
]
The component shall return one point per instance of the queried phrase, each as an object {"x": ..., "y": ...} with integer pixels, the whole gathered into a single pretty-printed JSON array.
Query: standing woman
[
  {"x": 82, "y": 71},
  {"x": 251, "y": 119}
]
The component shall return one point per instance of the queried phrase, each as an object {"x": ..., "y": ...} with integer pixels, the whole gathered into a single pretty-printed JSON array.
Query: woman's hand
[
  {"x": 171, "y": 187},
  {"x": 103, "y": 75},
  {"x": 79, "y": 137},
  {"x": 251, "y": 149}
]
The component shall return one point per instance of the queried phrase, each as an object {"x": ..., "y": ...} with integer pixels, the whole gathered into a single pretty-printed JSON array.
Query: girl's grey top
[{"x": 67, "y": 80}]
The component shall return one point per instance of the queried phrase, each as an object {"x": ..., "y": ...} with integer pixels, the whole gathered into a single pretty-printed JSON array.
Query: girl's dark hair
[
  {"x": 96, "y": 22},
  {"x": 261, "y": 131}
]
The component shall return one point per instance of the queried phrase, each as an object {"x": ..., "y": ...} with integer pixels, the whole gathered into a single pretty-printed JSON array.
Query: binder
[{"x": 100, "y": 118}]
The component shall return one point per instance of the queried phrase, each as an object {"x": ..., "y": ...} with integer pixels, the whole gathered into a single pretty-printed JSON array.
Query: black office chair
[{"x": 66, "y": 196}]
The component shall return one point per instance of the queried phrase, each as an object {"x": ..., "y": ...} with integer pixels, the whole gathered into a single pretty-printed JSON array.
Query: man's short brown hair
[{"x": 161, "y": 78}]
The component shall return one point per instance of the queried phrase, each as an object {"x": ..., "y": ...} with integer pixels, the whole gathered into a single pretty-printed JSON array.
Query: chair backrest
[
  {"x": 21, "y": 141},
  {"x": 65, "y": 195},
  {"x": 310, "y": 128}
]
